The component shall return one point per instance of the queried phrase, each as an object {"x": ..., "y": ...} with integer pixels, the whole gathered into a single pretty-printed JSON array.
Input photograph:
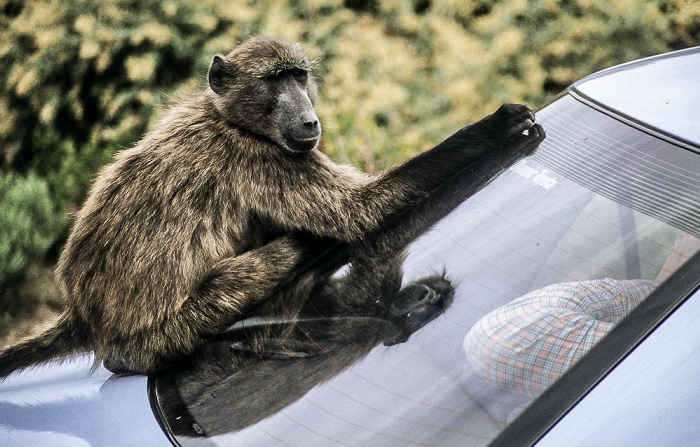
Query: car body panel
[
  {"x": 67, "y": 405},
  {"x": 661, "y": 92}
]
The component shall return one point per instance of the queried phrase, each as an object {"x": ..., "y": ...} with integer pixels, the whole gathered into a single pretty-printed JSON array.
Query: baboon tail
[{"x": 67, "y": 337}]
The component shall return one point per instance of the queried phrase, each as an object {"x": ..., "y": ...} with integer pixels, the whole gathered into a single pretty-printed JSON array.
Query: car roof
[{"x": 671, "y": 93}]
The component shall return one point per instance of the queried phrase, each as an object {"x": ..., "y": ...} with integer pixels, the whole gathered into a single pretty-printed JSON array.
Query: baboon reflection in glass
[{"x": 214, "y": 214}]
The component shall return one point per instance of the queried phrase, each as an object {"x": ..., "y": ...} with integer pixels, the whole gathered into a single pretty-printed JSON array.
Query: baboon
[{"x": 220, "y": 204}]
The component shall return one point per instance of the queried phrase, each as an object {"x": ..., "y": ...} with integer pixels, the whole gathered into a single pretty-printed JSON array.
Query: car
[{"x": 573, "y": 320}]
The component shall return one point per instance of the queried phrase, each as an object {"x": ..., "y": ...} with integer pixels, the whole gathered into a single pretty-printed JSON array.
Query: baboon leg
[
  {"x": 371, "y": 279},
  {"x": 276, "y": 316},
  {"x": 316, "y": 296},
  {"x": 236, "y": 284},
  {"x": 231, "y": 287},
  {"x": 374, "y": 307}
]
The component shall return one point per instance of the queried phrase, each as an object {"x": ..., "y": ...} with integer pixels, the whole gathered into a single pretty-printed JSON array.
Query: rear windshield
[{"x": 544, "y": 261}]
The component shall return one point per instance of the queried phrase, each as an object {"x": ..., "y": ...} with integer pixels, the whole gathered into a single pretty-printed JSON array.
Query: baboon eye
[{"x": 298, "y": 74}]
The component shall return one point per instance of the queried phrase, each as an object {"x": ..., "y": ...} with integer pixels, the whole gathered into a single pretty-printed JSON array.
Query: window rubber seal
[
  {"x": 631, "y": 121},
  {"x": 157, "y": 411}
]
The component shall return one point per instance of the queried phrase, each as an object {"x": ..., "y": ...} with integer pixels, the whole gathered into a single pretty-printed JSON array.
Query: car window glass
[{"x": 546, "y": 260}]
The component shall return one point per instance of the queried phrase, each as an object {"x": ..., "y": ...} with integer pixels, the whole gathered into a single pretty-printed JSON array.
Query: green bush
[
  {"x": 29, "y": 226},
  {"x": 80, "y": 79}
]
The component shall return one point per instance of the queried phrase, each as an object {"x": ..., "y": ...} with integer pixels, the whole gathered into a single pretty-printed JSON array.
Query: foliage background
[{"x": 82, "y": 79}]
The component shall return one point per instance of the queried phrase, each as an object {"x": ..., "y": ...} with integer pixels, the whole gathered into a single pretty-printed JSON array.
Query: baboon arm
[
  {"x": 485, "y": 148},
  {"x": 235, "y": 284},
  {"x": 396, "y": 233},
  {"x": 325, "y": 200}
]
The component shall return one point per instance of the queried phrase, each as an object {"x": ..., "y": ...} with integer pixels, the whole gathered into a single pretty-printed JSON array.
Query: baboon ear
[{"x": 217, "y": 75}]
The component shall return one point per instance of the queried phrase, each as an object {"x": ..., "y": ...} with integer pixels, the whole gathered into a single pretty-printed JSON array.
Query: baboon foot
[
  {"x": 119, "y": 365},
  {"x": 417, "y": 304}
]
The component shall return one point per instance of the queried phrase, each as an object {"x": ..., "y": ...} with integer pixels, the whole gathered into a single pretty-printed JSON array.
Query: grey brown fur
[{"x": 199, "y": 222}]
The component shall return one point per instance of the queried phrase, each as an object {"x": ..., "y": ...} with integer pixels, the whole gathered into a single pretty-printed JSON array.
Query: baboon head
[{"x": 266, "y": 87}]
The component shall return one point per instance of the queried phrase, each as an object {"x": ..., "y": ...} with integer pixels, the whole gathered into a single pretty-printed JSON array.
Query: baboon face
[{"x": 266, "y": 86}]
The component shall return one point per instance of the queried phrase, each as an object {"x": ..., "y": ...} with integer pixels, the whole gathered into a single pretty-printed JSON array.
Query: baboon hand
[
  {"x": 511, "y": 120},
  {"x": 506, "y": 124},
  {"x": 511, "y": 127}
]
